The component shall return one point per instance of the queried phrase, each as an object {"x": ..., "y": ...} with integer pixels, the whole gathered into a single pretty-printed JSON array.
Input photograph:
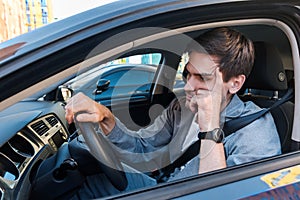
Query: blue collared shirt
[{"x": 161, "y": 143}]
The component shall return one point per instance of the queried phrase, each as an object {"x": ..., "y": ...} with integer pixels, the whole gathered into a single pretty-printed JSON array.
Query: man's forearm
[
  {"x": 108, "y": 122},
  {"x": 212, "y": 156}
]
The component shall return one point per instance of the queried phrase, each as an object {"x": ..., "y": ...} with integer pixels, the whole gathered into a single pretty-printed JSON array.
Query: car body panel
[
  {"x": 212, "y": 184},
  {"x": 270, "y": 185}
]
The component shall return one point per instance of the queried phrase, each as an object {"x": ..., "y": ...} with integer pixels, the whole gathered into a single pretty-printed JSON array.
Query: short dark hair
[{"x": 234, "y": 50}]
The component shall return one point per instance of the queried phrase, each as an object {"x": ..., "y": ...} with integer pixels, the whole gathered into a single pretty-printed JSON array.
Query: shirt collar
[{"x": 234, "y": 109}]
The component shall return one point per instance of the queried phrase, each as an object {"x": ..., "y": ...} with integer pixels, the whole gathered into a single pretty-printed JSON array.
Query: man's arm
[
  {"x": 146, "y": 145},
  {"x": 209, "y": 106},
  {"x": 212, "y": 156}
]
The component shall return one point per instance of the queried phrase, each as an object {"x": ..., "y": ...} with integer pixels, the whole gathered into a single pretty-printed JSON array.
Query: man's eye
[
  {"x": 201, "y": 78},
  {"x": 206, "y": 78}
]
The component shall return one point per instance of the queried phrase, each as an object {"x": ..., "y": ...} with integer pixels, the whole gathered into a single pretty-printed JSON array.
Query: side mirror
[{"x": 102, "y": 85}]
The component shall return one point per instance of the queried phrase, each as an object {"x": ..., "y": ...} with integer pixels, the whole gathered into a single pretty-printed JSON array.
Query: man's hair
[{"x": 234, "y": 50}]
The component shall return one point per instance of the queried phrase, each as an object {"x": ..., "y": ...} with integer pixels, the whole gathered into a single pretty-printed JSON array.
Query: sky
[{"x": 66, "y": 8}]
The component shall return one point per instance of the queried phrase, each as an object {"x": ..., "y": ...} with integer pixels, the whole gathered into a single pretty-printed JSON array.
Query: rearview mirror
[{"x": 102, "y": 85}]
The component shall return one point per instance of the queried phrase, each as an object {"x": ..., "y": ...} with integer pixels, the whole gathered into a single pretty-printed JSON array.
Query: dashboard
[{"x": 31, "y": 131}]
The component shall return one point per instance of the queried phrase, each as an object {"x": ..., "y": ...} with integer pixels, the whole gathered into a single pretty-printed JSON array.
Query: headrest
[{"x": 268, "y": 71}]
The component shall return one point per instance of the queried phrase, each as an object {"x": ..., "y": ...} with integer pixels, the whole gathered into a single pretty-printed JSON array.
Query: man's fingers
[
  {"x": 219, "y": 77},
  {"x": 83, "y": 109},
  {"x": 77, "y": 104},
  {"x": 204, "y": 93},
  {"x": 87, "y": 117},
  {"x": 193, "y": 104},
  {"x": 68, "y": 115}
]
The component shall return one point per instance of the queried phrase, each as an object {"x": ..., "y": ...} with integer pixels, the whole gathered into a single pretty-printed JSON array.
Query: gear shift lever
[{"x": 61, "y": 172}]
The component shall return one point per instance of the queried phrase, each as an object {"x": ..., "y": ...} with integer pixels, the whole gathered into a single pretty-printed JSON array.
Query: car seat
[{"x": 266, "y": 84}]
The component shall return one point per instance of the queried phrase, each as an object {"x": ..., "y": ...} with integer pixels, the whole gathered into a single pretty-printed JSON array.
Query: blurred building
[
  {"x": 21, "y": 16},
  {"x": 38, "y": 13},
  {"x": 13, "y": 19}
]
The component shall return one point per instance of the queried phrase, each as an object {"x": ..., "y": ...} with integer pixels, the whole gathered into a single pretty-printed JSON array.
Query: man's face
[{"x": 201, "y": 73}]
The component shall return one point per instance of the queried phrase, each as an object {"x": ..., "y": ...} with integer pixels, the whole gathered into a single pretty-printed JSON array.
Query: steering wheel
[{"x": 101, "y": 149}]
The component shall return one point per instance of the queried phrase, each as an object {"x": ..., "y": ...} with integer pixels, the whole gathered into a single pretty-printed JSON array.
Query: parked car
[
  {"x": 117, "y": 81},
  {"x": 37, "y": 69}
]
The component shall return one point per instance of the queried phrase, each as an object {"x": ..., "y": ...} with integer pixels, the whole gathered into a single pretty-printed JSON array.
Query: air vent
[
  {"x": 40, "y": 127},
  {"x": 52, "y": 120},
  {"x": 18, "y": 149}
]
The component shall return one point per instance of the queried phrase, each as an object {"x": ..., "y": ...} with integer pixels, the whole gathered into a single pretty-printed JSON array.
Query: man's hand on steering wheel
[
  {"x": 87, "y": 110},
  {"x": 85, "y": 113}
]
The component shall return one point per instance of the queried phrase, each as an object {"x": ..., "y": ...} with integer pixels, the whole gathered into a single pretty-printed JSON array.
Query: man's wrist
[
  {"x": 217, "y": 135},
  {"x": 209, "y": 122}
]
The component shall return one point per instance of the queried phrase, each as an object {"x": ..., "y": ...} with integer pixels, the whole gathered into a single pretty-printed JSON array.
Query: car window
[
  {"x": 178, "y": 82},
  {"x": 133, "y": 76},
  {"x": 142, "y": 69}
]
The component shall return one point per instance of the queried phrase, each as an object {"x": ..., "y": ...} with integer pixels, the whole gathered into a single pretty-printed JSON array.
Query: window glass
[
  {"x": 134, "y": 76},
  {"x": 178, "y": 82},
  {"x": 126, "y": 75},
  {"x": 150, "y": 59},
  {"x": 140, "y": 70}
]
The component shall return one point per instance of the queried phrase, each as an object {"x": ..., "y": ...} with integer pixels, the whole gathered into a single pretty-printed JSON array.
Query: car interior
[
  {"x": 266, "y": 85},
  {"x": 42, "y": 155}
]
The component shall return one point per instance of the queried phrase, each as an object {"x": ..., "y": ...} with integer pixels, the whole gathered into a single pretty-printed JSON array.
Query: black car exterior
[{"x": 34, "y": 65}]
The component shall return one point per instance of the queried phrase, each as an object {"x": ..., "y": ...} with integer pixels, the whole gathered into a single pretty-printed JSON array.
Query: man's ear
[{"x": 236, "y": 83}]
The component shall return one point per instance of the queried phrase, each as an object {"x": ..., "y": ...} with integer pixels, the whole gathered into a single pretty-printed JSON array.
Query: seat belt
[
  {"x": 238, "y": 123},
  {"x": 229, "y": 127}
]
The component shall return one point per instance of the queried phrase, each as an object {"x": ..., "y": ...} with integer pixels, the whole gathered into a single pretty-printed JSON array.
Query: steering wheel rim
[{"x": 101, "y": 149}]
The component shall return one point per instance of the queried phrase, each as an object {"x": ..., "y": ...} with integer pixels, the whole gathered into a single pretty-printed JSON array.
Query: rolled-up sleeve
[{"x": 148, "y": 145}]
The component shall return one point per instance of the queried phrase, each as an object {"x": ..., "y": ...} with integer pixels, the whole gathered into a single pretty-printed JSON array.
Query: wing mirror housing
[{"x": 101, "y": 86}]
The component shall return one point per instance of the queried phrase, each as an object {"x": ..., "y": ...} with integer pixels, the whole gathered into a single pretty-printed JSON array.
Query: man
[{"x": 219, "y": 62}]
